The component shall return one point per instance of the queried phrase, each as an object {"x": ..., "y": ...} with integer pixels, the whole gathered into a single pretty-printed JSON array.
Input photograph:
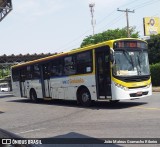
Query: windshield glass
[{"x": 131, "y": 63}]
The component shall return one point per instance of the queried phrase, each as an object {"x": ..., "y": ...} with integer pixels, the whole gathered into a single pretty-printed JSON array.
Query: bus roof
[{"x": 109, "y": 42}]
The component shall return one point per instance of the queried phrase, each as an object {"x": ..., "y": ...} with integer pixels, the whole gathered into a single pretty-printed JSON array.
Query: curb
[{"x": 155, "y": 89}]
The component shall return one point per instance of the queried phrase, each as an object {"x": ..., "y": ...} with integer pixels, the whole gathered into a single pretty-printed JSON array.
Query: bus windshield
[{"x": 131, "y": 63}]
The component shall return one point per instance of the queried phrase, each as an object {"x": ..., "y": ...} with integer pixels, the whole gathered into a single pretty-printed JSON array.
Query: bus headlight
[
  {"x": 148, "y": 85},
  {"x": 120, "y": 86}
]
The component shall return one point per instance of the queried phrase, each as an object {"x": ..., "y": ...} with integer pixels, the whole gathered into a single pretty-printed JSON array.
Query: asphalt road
[{"x": 127, "y": 119}]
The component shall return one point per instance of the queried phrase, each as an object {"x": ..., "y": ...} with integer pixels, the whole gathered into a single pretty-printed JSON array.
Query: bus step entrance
[{"x": 47, "y": 98}]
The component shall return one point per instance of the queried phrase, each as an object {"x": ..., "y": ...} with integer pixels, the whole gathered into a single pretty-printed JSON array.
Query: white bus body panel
[
  {"x": 16, "y": 89},
  {"x": 47, "y": 87},
  {"x": 121, "y": 94},
  {"x": 23, "y": 86},
  {"x": 36, "y": 85},
  {"x": 66, "y": 87}
]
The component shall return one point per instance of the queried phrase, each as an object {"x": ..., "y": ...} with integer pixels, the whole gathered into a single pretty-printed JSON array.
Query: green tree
[
  {"x": 109, "y": 35},
  {"x": 154, "y": 49},
  {"x": 155, "y": 70},
  {"x": 4, "y": 71}
]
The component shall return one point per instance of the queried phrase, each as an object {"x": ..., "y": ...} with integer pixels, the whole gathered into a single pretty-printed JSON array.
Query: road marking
[
  {"x": 147, "y": 108},
  {"x": 31, "y": 131},
  {"x": 2, "y": 110}
]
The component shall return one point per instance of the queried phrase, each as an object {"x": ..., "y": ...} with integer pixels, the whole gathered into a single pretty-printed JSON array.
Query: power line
[
  {"x": 109, "y": 15},
  {"x": 115, "y": 20},
  {"x": 129, "y": 3},
  {"x": 111, "y": 22},
  {"x": 126, "y": 11},
  {"x": 145, "y": 4}
]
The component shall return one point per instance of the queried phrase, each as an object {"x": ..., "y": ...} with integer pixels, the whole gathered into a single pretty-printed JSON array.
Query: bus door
[
  {"x": 103, "y": 78},
  {"x": 22, "y": 83},
  {"x": 46, "y": 81}
]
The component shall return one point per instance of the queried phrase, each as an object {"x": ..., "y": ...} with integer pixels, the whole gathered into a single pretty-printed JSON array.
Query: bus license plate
[{"x": 139, "y": 93}]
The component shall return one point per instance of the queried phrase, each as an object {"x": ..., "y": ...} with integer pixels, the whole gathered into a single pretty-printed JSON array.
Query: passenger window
[
  {"x": 46, "y": 72},
  {"x": 69, "y": 65},
  {"x": 84, "y": 62},
  {"x": 23, "y": 74},
  {"x": 29, "y": 72},
  {"x": 56, "y": 67},
  {"x": 15, "y": 75},
  {"x": 36, "y": 71}
]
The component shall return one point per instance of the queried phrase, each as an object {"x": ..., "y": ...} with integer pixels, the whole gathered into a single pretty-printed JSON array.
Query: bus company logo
[
  {"x": 76, "y": 81},
  {"x": 65, "y": 82},
  {"x": 134, "y": 85},
  {"x": 138, "y": 84},
  {"x": 73, "y": 81}
]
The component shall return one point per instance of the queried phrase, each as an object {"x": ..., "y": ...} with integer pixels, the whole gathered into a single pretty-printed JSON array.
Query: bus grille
[{"x": 138, "y": 95}]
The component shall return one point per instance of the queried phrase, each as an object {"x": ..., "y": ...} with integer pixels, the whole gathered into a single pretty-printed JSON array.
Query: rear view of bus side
[{"x": 113, "y": 70}]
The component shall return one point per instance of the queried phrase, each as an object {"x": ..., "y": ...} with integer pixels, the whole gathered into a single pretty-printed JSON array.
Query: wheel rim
[
  {"x": 33, "y": 96},
  {"x": 85, "y": 97}
]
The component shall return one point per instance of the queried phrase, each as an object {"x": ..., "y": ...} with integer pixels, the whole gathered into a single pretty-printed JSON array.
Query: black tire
[
  {"x": 114, "y": 101},
  {"x": 33, "y": 96},
  {"x": 84, "y": 97}
]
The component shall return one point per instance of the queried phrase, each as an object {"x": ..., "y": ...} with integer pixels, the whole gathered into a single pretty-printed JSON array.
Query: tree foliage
[
  {"x": 155, "y": 70},
  {"x": 4, "y": 72},
  {"x": 109, "y": 35},
  {"x": 154, "y": 49}
]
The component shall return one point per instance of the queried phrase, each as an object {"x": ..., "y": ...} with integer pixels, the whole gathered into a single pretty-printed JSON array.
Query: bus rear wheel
[
  {"x": 84, "y": 97},
  {"x": 33, "y": 96}
]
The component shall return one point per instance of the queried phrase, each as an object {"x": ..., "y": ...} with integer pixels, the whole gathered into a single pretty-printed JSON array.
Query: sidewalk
[{"x": 156, "y": 89}]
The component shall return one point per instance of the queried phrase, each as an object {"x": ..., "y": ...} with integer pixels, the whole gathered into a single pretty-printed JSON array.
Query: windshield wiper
[
  {"x": 139, "y": 65},
  {"x": 129, "y": 58}
]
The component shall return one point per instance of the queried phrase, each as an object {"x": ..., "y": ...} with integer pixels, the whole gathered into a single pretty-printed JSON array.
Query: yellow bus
[{"x": 112, "y": 70}]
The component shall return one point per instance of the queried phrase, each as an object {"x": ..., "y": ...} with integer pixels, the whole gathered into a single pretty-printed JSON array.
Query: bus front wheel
[
  {"x": 33, "y": 96},
  {"x": 84, "y": 97}
]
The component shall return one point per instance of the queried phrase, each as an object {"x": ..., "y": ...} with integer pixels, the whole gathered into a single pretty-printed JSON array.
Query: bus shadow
[
  {"x": 73, "y": 139},
  {"x": 119, "y": 105},
  {"x": 96, "y": 105}
]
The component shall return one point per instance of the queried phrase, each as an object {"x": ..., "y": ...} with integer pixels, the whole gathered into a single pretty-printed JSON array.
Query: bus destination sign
[{"x": 130, "y": 44}]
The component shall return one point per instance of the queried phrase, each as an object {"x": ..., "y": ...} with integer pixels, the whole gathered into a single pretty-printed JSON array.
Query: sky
[{"x": 49, "y": 26}]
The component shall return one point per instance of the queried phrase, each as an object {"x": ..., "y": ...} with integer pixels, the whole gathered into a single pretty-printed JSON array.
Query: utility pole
[
  {"x": 91, "y": 5},
  {"x": 126, "y": 11}
]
